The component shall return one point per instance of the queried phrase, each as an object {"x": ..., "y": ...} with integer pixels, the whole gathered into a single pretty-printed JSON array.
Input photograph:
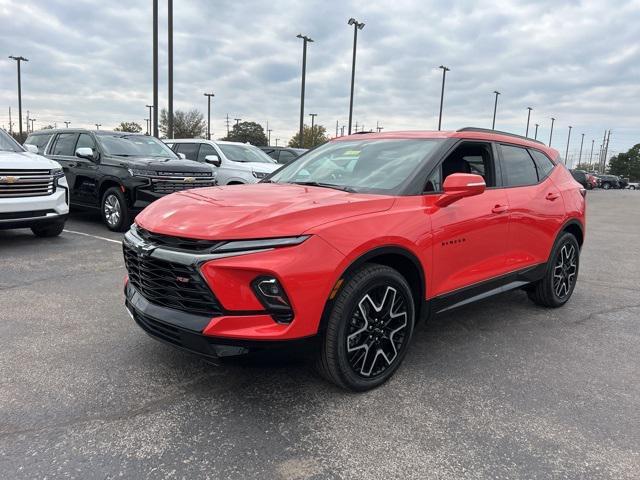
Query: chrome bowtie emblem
[
  {"x": 189, "y": 179},
  {"x": 8, "y": 179}
]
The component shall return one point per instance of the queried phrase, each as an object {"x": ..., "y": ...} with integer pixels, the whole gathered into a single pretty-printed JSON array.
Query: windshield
[
  {"x": 370, "y": 166},
  {"x": 245, "y": 153},
  {"x": 8, "y": 144},
  {"x": 134, "y": 146}
]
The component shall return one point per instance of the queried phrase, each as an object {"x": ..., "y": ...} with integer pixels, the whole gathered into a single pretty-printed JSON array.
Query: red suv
[{"x": 354, "y": 242}]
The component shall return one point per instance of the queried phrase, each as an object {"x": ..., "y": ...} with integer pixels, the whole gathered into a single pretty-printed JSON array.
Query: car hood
[
  {"x": 261, "y": 210},
  {"x": 260, "y": 167},
  {"x": 25, "y": 161},
  {"x": 162, "y": 164}
]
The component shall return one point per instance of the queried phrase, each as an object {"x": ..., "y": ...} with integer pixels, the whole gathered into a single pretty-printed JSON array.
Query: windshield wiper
[{"x": 326, "y": 185}]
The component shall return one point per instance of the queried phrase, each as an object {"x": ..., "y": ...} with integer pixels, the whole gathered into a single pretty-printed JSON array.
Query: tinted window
[
  {"x": 85, "y": 141},
  {"x": 64, "y": 144},
  {"x": 39, "y": 141},
  {"x": 244, "y": 153},
  {"x": 127, "y": 145},
  {"x": 206, "y": 149},
  {"x": 542, "y": 162},
  {"x": 189, "y": 150},
  {"x": 518, "y": 166},
  {"x": 286, "y": 156}
]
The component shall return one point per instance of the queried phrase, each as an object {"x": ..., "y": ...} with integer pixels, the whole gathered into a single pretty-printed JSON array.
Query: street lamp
[
  {"x": 495, "y": 108},
  {"x": 551, "y": 132},
  {"x": 18, "y": 60},
  {"x": 209, "y": 95},
  {"x": 313, "y": 117},
  {"x": 69, "y": 123},
  {"x": 269, "y": 130},
  {"x": 591, "y": 156},
  {"x": 147, "y": 123},
  {"x": 150, "y": 107},
  {"x": 566, "y": 153},
  {"x": 356, "y": 26},
  {"x": 528, "y": 118},
  {"x": 98, "y": 125},
  {"x": 305, "y": 40},
  {"x": 535, "y": 137},
  {"x": 237, "y": 120},
  {"x": 32, "y": 120},
  {"x": 580, "y": 154},
  {"x": 444, "y": 74}
]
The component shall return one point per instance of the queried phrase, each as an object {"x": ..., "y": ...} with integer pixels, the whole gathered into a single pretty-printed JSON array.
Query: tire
[
  {"x": 589, "y": 186},
  {"x": 48, "y": 230},
  {"x": 606, "y": 185},
  {"x": 352, "y": 332},
  {"x": 115, "y": 213},
  {"x": 559, "y": 281},
  {"x": 632, "y": 187}
]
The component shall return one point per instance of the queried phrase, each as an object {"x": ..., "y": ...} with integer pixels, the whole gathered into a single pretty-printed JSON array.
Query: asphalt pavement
[{"x": 500, "y": 389}]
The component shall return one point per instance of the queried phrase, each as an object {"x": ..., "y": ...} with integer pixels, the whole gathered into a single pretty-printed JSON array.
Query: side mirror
[
  {"x": 182, "y": 156},
  {"x": 86, "y": 153},
  {"x": 30, "y": 148},
  {"x": 213, "y": 160},
  {"x": 460, "y": 185}
]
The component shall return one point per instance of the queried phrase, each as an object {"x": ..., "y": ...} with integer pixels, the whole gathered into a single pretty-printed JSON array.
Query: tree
[
  {"x": 132, "y": 127},
  {"x": 310, "y": 139},
  {"x": 244, "y": 132},
  {"x": 47, "y": 127},
  {"x": 189, "y": 124},
  {"x": 627, "y": 164},
  {"x": 587, "y": 167}
]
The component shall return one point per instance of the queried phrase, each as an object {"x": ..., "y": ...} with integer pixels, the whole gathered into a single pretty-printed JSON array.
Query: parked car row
[{"x": 607, "y": 182}]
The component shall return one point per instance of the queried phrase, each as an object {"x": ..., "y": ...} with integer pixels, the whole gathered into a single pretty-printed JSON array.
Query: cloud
[{"x": 577, "y": 61}]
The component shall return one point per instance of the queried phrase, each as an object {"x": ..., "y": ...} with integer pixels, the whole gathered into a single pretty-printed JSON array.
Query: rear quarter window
[
  {"x": 518, "y": 166},
  {"x": 544, "y": 164}
]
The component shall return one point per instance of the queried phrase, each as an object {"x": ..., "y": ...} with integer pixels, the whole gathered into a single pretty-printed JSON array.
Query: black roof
[{"x": 498, "y": 132}]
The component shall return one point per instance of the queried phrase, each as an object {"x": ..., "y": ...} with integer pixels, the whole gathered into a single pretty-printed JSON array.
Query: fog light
[{"x": 273, "y": 297}]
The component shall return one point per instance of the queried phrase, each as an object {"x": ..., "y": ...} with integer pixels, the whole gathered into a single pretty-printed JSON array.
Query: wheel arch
[
  {"x": 575, "y": 228},
  {"x": 106, "y": 184},
  {"x": 393, "y": 256}
]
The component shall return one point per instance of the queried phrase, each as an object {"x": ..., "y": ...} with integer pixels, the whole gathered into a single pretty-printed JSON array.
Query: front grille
[
  {"x": 25, "y": 183},
  {"x": 178, "y": 243},
  {"x": 184, "y": 174},
  {"x": 170, "y": 285},
  {"x": 171, "y": 186}
]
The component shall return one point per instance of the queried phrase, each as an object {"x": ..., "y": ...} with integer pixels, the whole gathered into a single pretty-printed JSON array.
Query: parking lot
[{"x": 500, "y": 389}]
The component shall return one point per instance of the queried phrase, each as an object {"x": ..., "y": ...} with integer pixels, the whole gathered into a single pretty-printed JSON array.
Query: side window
[
  {"x": 85, "y": 141},
  {"x": 519, "y": 167},
  {"x": 542, "y": 162},
  {"x": 286, "y": 156},
  {"x": 206, "y": 149},
  {"x": 190, "y": 150},
  {"x": 468, "y": 157},
  {"x": 64, "y": 144},
  {"x": 39, "y": 141}
]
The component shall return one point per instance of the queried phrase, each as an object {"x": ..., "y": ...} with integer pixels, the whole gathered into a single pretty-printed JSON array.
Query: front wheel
[
  {"x": 368, "y": 330},
  {"x": 115, "y": 213},
  {"x": 555, "y": 289},
  {"x": 632, "y": 187},
  {"x": 48, "y": 230},
  {"x": 606, "y": 186}
]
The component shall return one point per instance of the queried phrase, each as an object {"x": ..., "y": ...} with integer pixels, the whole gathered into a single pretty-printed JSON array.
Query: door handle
[
  {"x": 500, "y": 209},
  {"x": 552, "y": 196}
]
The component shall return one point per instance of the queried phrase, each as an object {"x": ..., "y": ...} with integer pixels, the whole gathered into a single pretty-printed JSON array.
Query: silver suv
[{"x": 237, "y": 163}]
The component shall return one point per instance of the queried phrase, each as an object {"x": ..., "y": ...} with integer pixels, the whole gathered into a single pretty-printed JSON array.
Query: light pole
[
  {"x": 32, "y": 120},
  {"x": 237, "y": 121},
  {"x": 305, "y": 40},
  {"x": 591, "y": 156},
  {"x": 356, "y": 26},
  {"x": 18, "y": 61},
  {"x": 495, "y": 109},
  {"x": 150, "y": 107},
  {"x": 147, "y": 122},
  {"x": 277, "y": 141},
  {"x": 69, "y": 123},
  {"x": 269, "y": 137},
  {"x": 98, "y": 125},
  {"x": 528, "y": 118},
  {"x": 155, "y": 69},
  {"x": 566, "y": 153},
  {"x": 444, "y": 74},
  {"x": 170, "y": 72},
  {"x": 535, "y": 137},
  {"x": 209, "y": 95},
  {"x": 313, "y": 117},
  {"x": 580, "y": 154},
  {"x": 551, "y": 132},
  {"x": 342, "y": 131}
]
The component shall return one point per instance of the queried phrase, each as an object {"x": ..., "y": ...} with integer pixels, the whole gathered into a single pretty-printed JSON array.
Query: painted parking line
[{"x": 93, "y": 236}]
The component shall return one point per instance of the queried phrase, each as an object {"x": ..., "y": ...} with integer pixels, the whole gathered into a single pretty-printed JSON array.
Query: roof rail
[{"x": 488, "y": 130}]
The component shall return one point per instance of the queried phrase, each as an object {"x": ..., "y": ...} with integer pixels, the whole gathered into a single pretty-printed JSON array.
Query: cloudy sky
[{"x": 578, "y": 61}]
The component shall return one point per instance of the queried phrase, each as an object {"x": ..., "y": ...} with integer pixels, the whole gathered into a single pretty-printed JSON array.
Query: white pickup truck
[{"x": 33, "y": 190}]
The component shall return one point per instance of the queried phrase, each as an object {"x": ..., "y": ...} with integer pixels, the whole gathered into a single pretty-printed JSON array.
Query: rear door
[
  {"x": 189, "y": 150},
  {"x": 85, "y": 188},
  {"x": 61, "y": 150},
  {"x": 536, "y": 208}
]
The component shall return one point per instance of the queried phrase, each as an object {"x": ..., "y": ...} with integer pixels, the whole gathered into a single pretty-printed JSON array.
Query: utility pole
[
  {"x": 33, "y": 120},
  {"x": 10, "y": 123},
  {"x": 209, "y": 95},
  {"x": 237, "y": 121},
  {"x": 528, "y": 118},
  {"x": 535, "y": 137},
  {"x": 269, "y": 137},
  {"x": 606, "y": 150},
  {"x": 495, "y": 109},
  {"x": 277, "y": 141},
  {"x": 342, "y": 130},
  {"x": 600, "y": 162},
  {"x": 69, "y": 123},
  {"x": 170, "y": 62},
  {"x": 313, "y": 138},
  {"x": 566, "y": 153},
  {"x": 305, "y": 40},
  {"x": 551, "y": 132},
  {"x": 155, "y": 69},
  {"x": 444, "y": 74},
  {"x": 18, "y": 61},
  {"x": 150, "y": 107},
  {"x": 356, "y": 26},
  {"x": 356, "y": 128},
  {"x": 147, "y": 123},
  {"x": 337, "y": 128},
  {"x": 27, "y": 121},
  {"x": 580, "y": 154},
  {"x": 591, "y": 156},
  {"x": 227, "y": 124},
  {"x": 98, "y": 125}
]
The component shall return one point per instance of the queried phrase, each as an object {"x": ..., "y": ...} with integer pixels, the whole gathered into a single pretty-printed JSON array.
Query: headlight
[
  {"x": 57, "y": 172},
  {"x": 138, "y": 172},
  {"x": 259, "y": 174},
  {"x": 242, "y": 245}
]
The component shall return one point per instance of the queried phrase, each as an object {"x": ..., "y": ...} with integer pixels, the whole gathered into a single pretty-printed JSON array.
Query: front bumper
[{"x": 24, "y": 212}]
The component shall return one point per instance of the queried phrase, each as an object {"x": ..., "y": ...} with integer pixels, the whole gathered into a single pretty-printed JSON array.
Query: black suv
[
  {"x": 283, "y": 155},
  {"x": 609, "y": 181},
  {"x": 118, "y": 172}
]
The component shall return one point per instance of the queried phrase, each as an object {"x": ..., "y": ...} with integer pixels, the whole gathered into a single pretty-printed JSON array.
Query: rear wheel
[
  {"x": 115, "y": 213},
  {"x": 48, "y": 230},
  {"x": 632, "y": 187},
  {"x": 555, "y": 289},
  {"x": 606, "y": 185},
  {"x": 368, "y": 330}
]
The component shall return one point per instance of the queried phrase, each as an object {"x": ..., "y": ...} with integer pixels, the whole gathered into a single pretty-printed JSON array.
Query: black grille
[
  {"x": 178, "y": 243},
  {"x": 170, "y": 285},
  {"x": 167, "y": 187}
]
